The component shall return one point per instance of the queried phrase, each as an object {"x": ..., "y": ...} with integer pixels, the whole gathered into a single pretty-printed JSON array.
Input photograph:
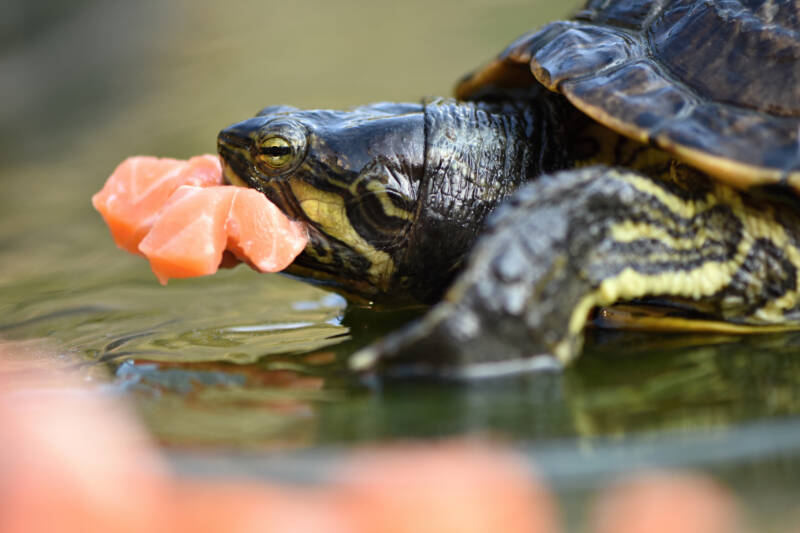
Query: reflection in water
[
  {"x": 262, "y": 406},
  {"x": 625, "y": 384},
  {"x": 255, "y": 340},
  {"x": 685, "y": 382},
  {"x": 211, "y": 361}
]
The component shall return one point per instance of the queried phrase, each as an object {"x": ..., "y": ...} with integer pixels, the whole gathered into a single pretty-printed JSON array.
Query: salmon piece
[
  {"x": 251, "y": 218},
  {"x": 188, "y": 237},
  {"x": 140, "y": 186},
  {"x": 186, "y": 223}
]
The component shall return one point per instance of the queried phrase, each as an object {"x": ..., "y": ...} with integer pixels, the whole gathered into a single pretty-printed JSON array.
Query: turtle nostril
[{"x": 231, "y": 139}]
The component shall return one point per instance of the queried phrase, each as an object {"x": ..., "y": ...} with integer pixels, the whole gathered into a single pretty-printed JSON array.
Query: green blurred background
[{"x": 113, "y": 78}]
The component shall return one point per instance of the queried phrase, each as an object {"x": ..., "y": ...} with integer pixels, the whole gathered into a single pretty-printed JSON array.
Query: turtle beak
[
  {"x": 242, "y": 133},
  {"x": 233, "y": 146}
]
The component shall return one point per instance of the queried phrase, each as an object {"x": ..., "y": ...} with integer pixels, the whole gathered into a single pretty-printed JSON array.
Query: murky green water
[{"x": 223, "y": 368}]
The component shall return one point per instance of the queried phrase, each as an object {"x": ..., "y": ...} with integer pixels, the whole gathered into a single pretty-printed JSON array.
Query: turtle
[{"x": 637, "y": 165}]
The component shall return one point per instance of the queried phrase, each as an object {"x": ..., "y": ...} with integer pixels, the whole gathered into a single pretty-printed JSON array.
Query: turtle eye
[
  {"x": 278, "y": 147},
  {"x": 275, "y": 152}
]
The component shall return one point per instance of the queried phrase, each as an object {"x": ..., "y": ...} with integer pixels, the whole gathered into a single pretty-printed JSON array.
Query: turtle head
[{"x": 353, "y": 176}]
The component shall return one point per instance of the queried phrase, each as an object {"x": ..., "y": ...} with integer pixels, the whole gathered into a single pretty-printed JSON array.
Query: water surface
[{"x": 227, "y": 367}]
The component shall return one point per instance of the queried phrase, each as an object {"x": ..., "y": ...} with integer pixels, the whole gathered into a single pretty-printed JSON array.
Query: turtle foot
[{"x": 447, "y": 343}]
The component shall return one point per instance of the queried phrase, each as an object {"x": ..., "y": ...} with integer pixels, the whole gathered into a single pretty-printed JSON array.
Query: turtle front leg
[{"x": 579, "y": 239}]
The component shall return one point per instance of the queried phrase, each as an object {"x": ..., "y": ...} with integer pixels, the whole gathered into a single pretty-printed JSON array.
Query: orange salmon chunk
[
  {"x": 182, "y": 219},
  {"x": 251, "y": 219},
  {"x": 188, "y": 238},
  {"x": 140, "y": 186}
]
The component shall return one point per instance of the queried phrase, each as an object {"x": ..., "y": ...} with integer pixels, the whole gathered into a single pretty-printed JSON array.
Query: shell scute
[{"x": 574, "y": 51}]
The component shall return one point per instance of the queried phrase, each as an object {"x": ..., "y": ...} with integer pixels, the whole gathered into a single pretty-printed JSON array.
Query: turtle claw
[
  {"x": 418, "y": 347},
  {"x": 446, "y": 343}
]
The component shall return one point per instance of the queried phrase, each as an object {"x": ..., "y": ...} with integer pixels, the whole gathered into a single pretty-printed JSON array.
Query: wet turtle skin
[{"x": 644, "y": 153}]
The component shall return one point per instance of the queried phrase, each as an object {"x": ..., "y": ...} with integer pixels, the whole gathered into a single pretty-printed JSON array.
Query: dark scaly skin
[
  {"x": 546, "y": 255},
  {"x": 416, "y": 183},
  {"x": 551, "y": 254},
  {"x": 396, "y": 194}
]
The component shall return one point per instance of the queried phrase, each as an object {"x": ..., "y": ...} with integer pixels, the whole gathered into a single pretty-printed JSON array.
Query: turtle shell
[{"x": 715, "y": 82}]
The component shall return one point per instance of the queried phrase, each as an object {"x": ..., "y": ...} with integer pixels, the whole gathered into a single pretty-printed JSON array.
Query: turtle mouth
[
  {"x": 238, "y": 169},
  {"x": 320, "y": 262}
]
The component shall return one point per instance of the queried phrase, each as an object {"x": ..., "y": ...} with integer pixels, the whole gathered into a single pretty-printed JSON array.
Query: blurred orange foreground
[{"x": 72, "y": 460}]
